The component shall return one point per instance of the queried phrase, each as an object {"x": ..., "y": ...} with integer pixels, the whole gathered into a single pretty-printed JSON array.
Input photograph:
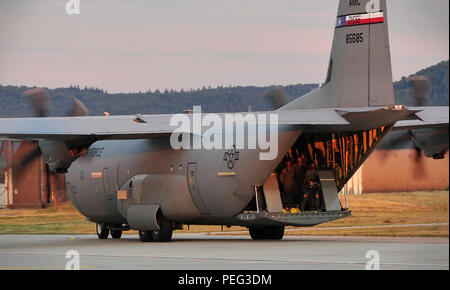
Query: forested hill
[{"x": 221, "y": 99}]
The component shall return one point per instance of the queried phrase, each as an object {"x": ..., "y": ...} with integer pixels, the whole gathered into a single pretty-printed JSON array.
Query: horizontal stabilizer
[{"x": 428, "y": 117}]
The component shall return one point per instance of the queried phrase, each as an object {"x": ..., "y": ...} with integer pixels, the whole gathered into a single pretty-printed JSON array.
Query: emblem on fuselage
[
  {"x": 93, "y": 152},
  {"x": 230, "y": 157}
]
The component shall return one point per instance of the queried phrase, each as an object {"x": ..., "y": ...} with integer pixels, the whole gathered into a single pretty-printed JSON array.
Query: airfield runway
[{"x": 222, "y": 252}]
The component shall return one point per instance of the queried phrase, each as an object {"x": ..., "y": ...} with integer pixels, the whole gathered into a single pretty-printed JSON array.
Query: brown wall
[
  {"x": 30, "y": 188},
  {"x": 26, "y": 186},
  {"x": 399, "y": 171}
]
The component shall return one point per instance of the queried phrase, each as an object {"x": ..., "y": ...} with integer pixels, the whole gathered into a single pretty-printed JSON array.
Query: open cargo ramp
[{"x": 269, "y": 207}]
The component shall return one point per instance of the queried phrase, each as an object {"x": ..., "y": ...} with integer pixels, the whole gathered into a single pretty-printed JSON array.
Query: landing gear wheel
[
  {"x": 165, "y": 230},
  {"x": 102, "y": 232},
  {"x": 275, "y": 233},
  {"x": 266, "y": 233},
  {"x": 116, "y": 234},
  {"x": 257, "y": 233},
  {"x": 145, "y": 236}
]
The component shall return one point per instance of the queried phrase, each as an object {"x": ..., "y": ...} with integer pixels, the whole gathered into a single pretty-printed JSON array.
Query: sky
[{"x": 137, "y": 45}]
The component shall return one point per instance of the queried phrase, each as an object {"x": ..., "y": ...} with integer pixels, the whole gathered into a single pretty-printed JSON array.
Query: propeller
[
  {"x": 421, "y": 96},
  {"x": 421, "y": 90},
  {"x": 420, "y": 86},
  {"x": 277, "y": 97},
  {"x": 78, "y": 109},
  {"x": 419, "y": 169},
  {"x": 40, "y": 100}
]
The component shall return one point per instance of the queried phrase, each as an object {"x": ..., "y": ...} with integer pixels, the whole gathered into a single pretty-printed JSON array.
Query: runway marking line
[
  {"x": 336, "y": 228},
  {"x": 42, "y": 268},
  {"x": 238, "y": 260}
]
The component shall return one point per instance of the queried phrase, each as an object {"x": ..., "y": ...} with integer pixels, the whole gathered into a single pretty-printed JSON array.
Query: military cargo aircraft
[{"x": 123, "y": 173}]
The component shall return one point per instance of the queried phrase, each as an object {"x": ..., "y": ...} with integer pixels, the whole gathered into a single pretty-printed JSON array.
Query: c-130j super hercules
[{"x": 123, "y": 173}]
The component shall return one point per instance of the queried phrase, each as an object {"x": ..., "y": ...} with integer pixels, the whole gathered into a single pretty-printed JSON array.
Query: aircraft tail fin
[{"x": 359, "y": 73}]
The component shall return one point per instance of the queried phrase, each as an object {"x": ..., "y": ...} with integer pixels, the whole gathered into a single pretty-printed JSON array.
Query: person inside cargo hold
[
  {"x": 311, "y": 174},
  {"x": 311, "y": 197},
  {"x": 290, "y": 185},
  {"x": 300, "y": 174}
]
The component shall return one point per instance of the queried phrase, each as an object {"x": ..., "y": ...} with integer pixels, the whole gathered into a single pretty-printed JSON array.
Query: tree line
[{"x": 220, "y": 99}]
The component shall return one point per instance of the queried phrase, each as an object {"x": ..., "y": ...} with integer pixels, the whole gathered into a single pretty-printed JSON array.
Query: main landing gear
[
  {"x": 163, "y": 235},
  {"x": 266, "y": 233},
  {"x": 103, "y": 232}
]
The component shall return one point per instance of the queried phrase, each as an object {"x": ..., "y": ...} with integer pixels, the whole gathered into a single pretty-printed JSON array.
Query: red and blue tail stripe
[{"x": 360, "y": 19}]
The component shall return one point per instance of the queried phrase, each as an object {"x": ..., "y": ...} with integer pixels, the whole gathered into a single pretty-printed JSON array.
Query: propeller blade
[
  {"x": 30, "y": 157},
  {"x": 39, "y": 98},
  {"x": 421, "y": 90},
  {"x": 419, "y": 170},
  {"x": 22, "y": 164},
  {"x": 78, "y": 109},
  {"x": 277, "y": 97},
  {"x": 419, "y": 154}
]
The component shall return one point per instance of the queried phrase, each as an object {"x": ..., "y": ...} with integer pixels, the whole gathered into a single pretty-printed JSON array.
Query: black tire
[
  {"x": 165, "y": 230},
  {"x": 257, "y": 233},
  {"x": 266, "y": 233},
  {"x": 116, "y": 234},
  {"x": 102, "y": 232},
  {"x": 275, "y": 233},
  {"x": 145, "y": 236}
]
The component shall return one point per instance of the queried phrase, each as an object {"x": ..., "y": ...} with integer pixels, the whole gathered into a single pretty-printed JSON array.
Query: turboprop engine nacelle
[{"x": 58, "y": 155}]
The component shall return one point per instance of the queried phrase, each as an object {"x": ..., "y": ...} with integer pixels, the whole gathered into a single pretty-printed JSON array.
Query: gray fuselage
[{"x": 216, "y": 195}]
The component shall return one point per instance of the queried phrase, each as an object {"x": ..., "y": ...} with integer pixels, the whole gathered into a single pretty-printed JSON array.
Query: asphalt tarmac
[{"x": 222, "y": 252}]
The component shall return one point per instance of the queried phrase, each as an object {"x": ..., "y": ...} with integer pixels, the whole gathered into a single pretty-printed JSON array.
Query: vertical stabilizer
[{"x": 359, "y": 73}]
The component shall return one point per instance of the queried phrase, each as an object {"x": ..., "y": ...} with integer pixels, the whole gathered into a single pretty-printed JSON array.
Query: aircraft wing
[
  {"x": 63, "y": 140},
  {"x": 131, "y": 126},
  {"x": 95, "y": 128}
]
